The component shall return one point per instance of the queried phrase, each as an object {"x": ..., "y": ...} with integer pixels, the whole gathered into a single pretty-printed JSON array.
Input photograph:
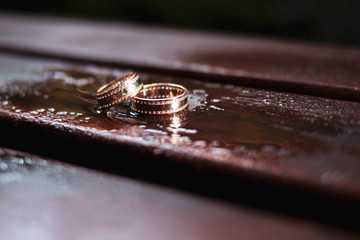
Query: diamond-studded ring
[
  {"x": 118, "y": 90},
  {"x": 160, "y": 98}
]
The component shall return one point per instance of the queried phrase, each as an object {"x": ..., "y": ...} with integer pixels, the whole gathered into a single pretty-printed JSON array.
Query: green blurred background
[{"x": 325, "y": 21}]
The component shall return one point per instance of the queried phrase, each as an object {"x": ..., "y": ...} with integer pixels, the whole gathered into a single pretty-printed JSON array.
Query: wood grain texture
[
  {"x": 303, "y": 68},
  {"x": 266, "y": 147},
  {"x": 281, "y": 138}
]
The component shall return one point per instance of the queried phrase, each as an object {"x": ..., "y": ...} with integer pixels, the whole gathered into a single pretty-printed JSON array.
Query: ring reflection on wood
[
  {"x": 160, "y": 98},
  {"x": 119, "y": 90}
]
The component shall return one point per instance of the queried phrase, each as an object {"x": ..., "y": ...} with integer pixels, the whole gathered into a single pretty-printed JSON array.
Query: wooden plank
[
  {"x": 43, "y": 199},
  {"x": 275, "y": 64},
  {"x": 281, "y": 138}
]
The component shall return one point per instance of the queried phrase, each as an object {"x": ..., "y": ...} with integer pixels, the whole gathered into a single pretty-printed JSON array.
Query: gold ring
[
  {"x": 160, "y": 98},
  {"x": 119, "y": 90}
]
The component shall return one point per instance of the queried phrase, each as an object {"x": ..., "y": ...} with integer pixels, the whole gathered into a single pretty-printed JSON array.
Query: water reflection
[
  {"x": 224, "y": 119},
  {"x": 269, "y": 131}
]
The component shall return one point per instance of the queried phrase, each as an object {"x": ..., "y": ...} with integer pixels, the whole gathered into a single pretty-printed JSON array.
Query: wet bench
[{"x": 267, "y": 119}]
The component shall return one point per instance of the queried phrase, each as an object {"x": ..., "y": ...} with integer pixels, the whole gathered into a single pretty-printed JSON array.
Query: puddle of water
[
  {"x": 236, "y": 124},
  {"x": 229, "y": 115}
]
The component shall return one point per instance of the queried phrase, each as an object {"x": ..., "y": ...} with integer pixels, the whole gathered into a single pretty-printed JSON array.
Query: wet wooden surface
[
  {"x": 281, "y": 151},
  {"x": 275, "y": 64},
  {"x": 42, "y": 199},
  {"x": 272, "y": 136}
]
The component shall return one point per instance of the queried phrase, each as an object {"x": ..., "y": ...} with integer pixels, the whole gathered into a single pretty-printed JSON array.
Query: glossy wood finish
[
  {"x": 274, "y": 64},
  {"x": 286, "y": 152},
  {"x": 42, "y": 199},
  {"x": 281, "y": 138}
]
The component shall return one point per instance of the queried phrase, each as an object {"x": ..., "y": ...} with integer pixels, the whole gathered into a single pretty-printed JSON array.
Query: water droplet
[
  {"x": 225, "y": 98},
  {"x": 265, "y": 101},
  {"x": 200, "y": 144},
  {"x": 241, "y": 149},
  {"x": 3, "y": 166},
  {"x": 220, "y": 151},
  {"x": 214, "y": 144},
  {"x": 61, "y": 113},
  {"x": 216, "y": 108}
]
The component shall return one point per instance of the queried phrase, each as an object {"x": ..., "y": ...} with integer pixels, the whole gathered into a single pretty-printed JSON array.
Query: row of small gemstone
[
  {"x": 158, "y": 96},
  {"x": 163, "y": 88},
  {"x": 109, "y": 87},
  {"x": 159, "y": 102},
  {"x": 117, "y": 84},
  {"x": 117, "y": 89},
  {"x": 119, "y": 100},
  {"x": 159, "y": 112}
]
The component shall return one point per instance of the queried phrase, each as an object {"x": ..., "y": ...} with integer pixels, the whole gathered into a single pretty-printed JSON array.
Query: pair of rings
[{"x": 156, "y": 98}]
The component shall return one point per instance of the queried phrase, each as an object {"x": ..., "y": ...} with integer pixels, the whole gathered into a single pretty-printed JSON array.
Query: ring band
[
  {"x": 160, "y": 98},
  {"x": 119, "y": 90}
]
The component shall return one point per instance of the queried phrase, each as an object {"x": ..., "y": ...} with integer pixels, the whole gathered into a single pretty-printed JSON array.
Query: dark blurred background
[{"x": 324, "y": 21}]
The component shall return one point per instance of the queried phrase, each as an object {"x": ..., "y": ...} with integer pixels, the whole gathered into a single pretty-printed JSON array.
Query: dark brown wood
[
  {"x": 281, "y": 138},
  {"x": 43, "y": 199},
  {"x": 304, "y": 68},
  {"x": 283, "y": 151}
]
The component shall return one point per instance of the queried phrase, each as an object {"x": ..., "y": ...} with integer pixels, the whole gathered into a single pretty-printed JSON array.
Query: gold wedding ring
[
  {"x": 119, "y": 90},
  {"x": 160, "y": 98}
]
